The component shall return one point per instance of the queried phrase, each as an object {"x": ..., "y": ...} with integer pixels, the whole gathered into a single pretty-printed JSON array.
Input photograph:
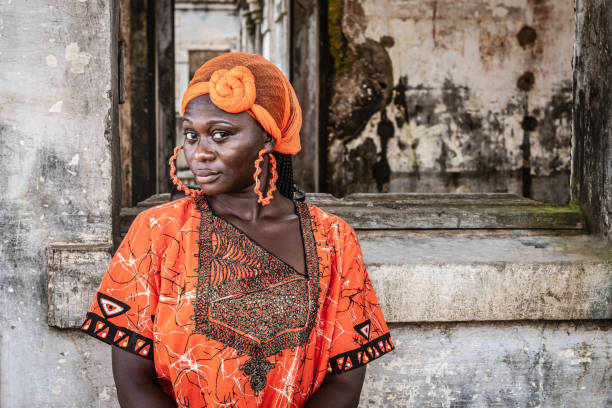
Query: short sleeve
[
  {"x": 123, "y": 309},
  {"x": 360, "y": 333}
]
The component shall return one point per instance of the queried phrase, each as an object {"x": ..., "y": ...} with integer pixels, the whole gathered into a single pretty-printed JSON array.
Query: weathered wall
[
  {"x": 451, "y": 96},
  {"x": 57, "y": 127},
  {"x": 514, "y": 364},
  {"x": 592, "y": 126}
]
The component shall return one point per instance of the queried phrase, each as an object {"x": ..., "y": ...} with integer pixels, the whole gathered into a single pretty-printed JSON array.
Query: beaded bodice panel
[{"x": 246, "y": 297}]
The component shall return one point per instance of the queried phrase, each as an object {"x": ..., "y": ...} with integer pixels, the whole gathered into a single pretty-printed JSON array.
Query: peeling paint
[
  {"x": 78, "y": 59},
  {"x": 56, "y": 107},
  {"x": 51, "y": 60}
]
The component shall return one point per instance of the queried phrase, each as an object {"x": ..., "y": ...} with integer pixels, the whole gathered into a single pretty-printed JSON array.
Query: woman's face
[{"x": 220, "y": 147}]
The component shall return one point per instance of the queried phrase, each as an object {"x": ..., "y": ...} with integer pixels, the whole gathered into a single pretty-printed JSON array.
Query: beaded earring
[
  {"x": 179, "y": 184},
  {"x": 274, "y": 176}
]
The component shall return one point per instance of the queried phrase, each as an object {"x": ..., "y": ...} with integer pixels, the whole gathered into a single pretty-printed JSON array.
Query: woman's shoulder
[
  {"x": 167, "y": 216},
  {"x": 172, "y": 208},
  {"x": 329, "y": 224}
]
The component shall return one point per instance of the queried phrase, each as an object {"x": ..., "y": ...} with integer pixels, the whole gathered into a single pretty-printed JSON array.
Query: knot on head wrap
[
  {"x": 242, "y": 82},
  {"x": 233, "y": 90}
]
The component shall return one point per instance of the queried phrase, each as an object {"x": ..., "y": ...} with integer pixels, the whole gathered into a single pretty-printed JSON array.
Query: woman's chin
[
  {"x": 209, "y": 185},
  {"x": 208, "y": 189}
]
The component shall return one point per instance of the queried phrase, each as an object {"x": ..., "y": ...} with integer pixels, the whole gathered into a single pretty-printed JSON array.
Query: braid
[{"x": 284, "y": 184}]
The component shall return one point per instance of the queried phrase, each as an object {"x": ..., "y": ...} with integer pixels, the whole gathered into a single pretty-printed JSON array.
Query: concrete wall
[
  {"x": 57, "y": 131},
  {"x": 451, "y": 96},
  {"x": 592, "y": 136},
  {"x": 513, "y": 364}
]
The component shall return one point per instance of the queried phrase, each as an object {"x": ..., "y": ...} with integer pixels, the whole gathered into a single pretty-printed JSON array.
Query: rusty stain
[
  {"x": 494, "y": 44},
  {"x": 433, "y": 25},
  {"x": 387, "y": 41},
  {"x": 526, "y": 81},
  {"x": 381, "y": 170},
  {"x": 529, "y": 123},
  {"x": 526, "y": 36},
  {"x": 541, "y": 9}
]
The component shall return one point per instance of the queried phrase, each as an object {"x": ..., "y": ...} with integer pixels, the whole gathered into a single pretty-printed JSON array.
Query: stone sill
[
  {"x": 474, "y": 276},
  {"x": 403, "y": 211}
]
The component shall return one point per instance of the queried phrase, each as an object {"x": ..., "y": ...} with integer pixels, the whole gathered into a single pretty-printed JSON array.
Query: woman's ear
[{"x": 269, "y": 142}]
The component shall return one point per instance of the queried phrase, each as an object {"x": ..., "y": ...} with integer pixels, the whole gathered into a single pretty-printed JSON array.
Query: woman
[{"x": 238, "y": 295}]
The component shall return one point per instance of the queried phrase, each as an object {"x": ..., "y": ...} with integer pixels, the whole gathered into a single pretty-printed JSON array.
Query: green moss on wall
[{"x": 337, "y": 41}]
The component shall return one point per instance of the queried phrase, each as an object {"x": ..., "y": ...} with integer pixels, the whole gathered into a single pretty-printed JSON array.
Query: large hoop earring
[
  {"x": 274, "y": 176},
  {"x": 179, "y": 184}
]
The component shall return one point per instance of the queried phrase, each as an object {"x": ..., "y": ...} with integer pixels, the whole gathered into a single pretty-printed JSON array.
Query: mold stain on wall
[{"x": 440, "y": 96}]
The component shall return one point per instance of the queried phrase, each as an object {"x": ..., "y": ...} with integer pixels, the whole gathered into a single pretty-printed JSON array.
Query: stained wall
[
  {"x": 451, "y": 96},
  {"x": 509, "y": 364},
  {"x": 58, "y": 129},
  {"x": 592, "y": 125}
]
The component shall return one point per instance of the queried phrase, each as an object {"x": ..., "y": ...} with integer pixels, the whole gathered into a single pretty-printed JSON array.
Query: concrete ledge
[
  {"x": 74, "y": 271},
  {"x": 445, "y": 292},
  {"x": 448, "y": 211},
  {"x": 428, "y": 211},
  {"x": 476, "y": 276}
]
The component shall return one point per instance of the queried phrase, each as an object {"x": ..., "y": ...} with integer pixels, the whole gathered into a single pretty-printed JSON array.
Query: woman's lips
[{"x": 204, "y": 177}]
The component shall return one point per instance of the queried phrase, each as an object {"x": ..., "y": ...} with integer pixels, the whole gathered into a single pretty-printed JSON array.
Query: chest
[
  {"x": 235, "y": 291},
  {"x": 283, "y": 240}
]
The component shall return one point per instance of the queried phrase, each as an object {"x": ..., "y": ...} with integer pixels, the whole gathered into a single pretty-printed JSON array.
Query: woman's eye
[
  {"x": 190, "y": 135},
  {"x": 219, "y": 135}
]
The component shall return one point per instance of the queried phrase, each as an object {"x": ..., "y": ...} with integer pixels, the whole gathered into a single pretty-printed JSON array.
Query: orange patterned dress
[{"x": 225, "y": 321}]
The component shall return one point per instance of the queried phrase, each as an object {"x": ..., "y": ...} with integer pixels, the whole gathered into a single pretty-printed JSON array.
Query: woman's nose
[{"x": 204, "y": 151}]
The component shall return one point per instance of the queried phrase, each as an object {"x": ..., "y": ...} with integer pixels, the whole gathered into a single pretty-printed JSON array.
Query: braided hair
[{"x": 284, "y": 184}]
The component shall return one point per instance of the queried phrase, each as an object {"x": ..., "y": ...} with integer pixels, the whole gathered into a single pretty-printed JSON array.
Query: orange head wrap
[{"x": 239, "y": 82}]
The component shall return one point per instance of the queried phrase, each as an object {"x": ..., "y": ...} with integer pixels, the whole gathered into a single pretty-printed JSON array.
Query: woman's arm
[
  {"x": 339, "y": 391},
  {"x": 136, "y": 383}
]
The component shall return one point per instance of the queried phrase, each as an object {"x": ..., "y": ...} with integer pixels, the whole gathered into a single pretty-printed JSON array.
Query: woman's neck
[{"x": 244, "y": 206}]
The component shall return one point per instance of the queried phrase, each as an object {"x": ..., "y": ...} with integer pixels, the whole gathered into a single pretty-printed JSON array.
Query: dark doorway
[{"x": 147, "y": 121}]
